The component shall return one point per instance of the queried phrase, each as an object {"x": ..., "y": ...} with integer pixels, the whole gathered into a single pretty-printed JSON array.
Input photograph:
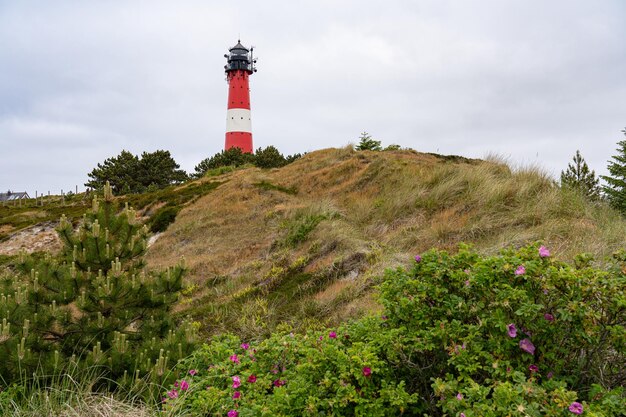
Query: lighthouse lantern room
[{"x": 240, "y": 65}]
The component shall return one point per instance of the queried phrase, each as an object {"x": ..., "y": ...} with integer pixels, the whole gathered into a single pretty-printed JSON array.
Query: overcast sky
[{"x": 531, "y": 80}]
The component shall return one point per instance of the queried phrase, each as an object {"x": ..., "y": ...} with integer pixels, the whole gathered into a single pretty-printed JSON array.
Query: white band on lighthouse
[{"x": 238, "y": 120}]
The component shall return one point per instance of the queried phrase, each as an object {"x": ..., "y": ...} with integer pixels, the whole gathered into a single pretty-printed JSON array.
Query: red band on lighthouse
[{"x": 238, "y": 121}]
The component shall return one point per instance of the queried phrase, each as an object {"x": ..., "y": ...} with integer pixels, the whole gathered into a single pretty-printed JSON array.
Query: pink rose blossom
[
  {"x": 172, "y": 394},
  {"x": 462, "y": 415},
  {"x": 533, "y": 368},
  {"x": 367, "y": 371},
  {"x": 521, "y": 270},
  {"x": 527, "y": 346},
  {"x": 236, "y": 395},
  {"x": 418, "y": 258},
  {"x": 332, "y": 335},
  {"x": 234, "y": 358},
  {"x": 548, "y": 317},
  {"x": 459, "y": 396},
  {"x": 236, "y": 382},
  {"x": 279, "y": 382},
  {"x": 511, "y": 330},
  {"x": 193, "y": 372},
  {"x": 576, "y": 407},
  {"x": 184, "y": 385},
  {"x": 245, "y": 346},
  {"x": 544, "y": 252},
  {"x": 252, "y": 379},
  {"x": 233, "y": 413}
]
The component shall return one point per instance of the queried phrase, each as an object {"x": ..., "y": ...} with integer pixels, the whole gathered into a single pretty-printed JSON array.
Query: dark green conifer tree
[
  {"x": 615, "y": 188},
  {"x": 367, "y": 143},
  {"x": 579, "y": 177},
  {"x": 93, "y": 306}
]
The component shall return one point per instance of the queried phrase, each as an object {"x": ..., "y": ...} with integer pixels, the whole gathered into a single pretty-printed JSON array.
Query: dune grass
[{"x": 344, "y": 216}]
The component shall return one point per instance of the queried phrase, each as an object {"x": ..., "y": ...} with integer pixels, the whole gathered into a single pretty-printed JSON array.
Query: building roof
[
  {"x": 11, "y": 196},
  {"x": 239, "y": 47}
]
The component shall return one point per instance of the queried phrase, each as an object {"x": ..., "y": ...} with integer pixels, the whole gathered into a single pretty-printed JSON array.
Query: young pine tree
[
  {"x": 367, "y": 143},
  {"x": 579, "y": 177},
  {"x": 615, "y": 188},
  {"x": 94, "y": 306}
]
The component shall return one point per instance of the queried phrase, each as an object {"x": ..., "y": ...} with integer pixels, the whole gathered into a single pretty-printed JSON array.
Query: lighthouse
[{"x": 239, "y": 67}]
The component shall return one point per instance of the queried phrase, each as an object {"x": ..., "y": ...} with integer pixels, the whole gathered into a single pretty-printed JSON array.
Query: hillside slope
[{"x": 304, "y": 243}]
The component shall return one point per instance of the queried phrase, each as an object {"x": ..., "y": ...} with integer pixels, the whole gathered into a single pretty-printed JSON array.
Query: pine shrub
[{"x": 93, "y": 306}]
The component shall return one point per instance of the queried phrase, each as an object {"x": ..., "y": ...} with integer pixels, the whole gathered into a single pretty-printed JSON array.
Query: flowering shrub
[{"x": 461, "y": 335}]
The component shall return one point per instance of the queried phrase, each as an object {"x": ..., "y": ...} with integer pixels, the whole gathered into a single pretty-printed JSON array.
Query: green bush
[
  {"x": 93, "y": 307},
  {"x": 517, "y": 334},
  {"x": 163, "y": 218},
  {"x": 268, "y": 157},
  {"x": 300, "y": 229}
]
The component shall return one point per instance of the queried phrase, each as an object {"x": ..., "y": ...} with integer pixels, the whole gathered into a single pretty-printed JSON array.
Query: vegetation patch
[
  {"x": 462, "y": 335},
  {"x": 163, "y": 218},
  {"x": 299, "y": 230},
  {"x": 264, "y": 185},
  {"x": 93, "y": 307}
]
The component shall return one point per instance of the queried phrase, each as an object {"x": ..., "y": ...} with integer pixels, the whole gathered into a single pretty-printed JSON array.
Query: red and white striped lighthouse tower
[{"x": 239, "y": 67}]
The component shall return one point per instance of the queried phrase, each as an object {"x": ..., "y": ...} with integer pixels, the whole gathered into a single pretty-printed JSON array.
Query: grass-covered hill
[
  {"x": 305, "y": 242},
  {"x": 313, "y": 244}
]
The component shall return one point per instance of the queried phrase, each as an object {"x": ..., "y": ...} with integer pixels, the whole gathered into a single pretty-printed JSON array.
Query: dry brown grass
[{"x": 385, "y": 206}]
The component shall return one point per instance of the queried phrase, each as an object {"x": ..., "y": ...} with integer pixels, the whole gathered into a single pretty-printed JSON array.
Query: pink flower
[
  {"x": 544, "y": 252},
  {"x": 321, "y": 338},
  {"x": 459, "y": 396},
  {"x": 236, "y": 382},
  {"x": 252, "y": 379},
  {"x": 511, "y": 330},
  {"x": 164, "y": 399},
  {"x": 462, "y": 415},
  {"x": 233, "y": 413},
  {"x": 550, "y": 375},
  {"x": 279, "y": 383},
  {"x": 184, "y": 385},
  {"x": 467, "y": 283},
  {"x": 533, "y": 368},
  {"x": 236, "y": 395},
  {"x": 576, "y": 408},
  {"x": 367, "y": 371},
  {"x": 234, "y": 358},
  {"x": 527, "y": 346},
  {"x": 172, "y": 394},
  {"x": 245, "y": 346},
  {"x": 548, "y": 317},
  {"x": 332, "y": 335},
  {"x": 520, "y": 270},
  {"x": 418, "y": 258},
  {"x": 193, "y": 372}
]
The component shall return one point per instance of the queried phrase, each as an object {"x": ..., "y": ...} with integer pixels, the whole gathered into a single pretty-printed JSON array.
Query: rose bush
[{"x": 461, "y": 335}]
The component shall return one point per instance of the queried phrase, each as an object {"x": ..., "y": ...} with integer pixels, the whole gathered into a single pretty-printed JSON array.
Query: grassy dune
[{"x": 303, "y": 243}]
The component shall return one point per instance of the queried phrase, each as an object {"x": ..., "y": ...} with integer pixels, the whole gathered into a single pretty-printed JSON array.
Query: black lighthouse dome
[{"x": 239, "y": 58}]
